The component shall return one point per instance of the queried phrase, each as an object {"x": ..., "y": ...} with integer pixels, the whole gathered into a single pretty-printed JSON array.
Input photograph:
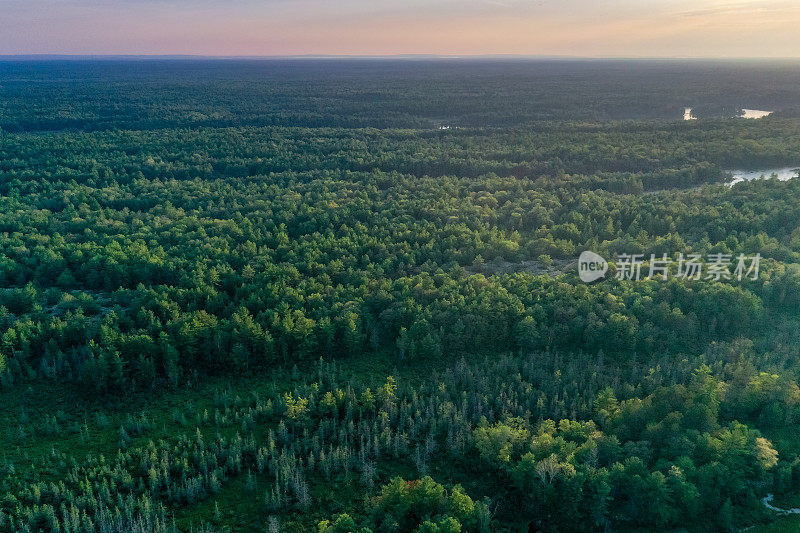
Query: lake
[
  {"x": 783, "y": 174},
  {"x": 754, "y": 113},
  {"x": 746, "y": 113}
]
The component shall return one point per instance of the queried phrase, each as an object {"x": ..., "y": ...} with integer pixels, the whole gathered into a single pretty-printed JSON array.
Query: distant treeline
[{"x": 101, "y": 95}]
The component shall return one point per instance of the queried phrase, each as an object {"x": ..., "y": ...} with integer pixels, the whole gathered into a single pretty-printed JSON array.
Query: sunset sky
[{"x": 619, "y": 28}]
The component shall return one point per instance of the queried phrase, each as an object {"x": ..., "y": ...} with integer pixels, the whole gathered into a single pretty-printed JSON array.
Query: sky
[{"x": 584, "y": 28}]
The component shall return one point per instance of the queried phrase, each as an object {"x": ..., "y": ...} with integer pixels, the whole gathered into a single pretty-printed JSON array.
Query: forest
[{"x": 342, "y": 296}]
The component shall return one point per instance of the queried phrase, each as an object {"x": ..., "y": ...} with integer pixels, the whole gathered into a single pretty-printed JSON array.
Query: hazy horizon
[
  {"x": 684, "y": 29},
  {"x": 522, "y": 57}
]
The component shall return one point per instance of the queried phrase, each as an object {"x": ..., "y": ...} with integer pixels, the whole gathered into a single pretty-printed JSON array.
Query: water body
[
  {"x": 754, "y": 113},
  {"x": 783, "y": 174},
  {"x": 746, "y": 113},
  {"x": 767, "y": 501}
]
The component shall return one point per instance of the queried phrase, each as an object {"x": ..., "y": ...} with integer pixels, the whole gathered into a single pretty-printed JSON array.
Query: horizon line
[{"x": 107, "y": 56}]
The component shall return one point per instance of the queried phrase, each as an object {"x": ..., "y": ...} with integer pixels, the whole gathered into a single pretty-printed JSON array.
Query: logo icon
[{"x": 591, "y": 266}]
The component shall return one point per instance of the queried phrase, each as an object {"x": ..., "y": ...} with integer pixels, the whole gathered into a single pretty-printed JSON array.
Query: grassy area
[
  {"x": 789, "y": 524},
  {"x": 46, "y": 427}
]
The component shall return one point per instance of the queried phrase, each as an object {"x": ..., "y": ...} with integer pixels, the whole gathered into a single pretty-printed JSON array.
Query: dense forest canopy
[
  {"x": 341, "y": 295},
  {"x": 50, "y": 95}
]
